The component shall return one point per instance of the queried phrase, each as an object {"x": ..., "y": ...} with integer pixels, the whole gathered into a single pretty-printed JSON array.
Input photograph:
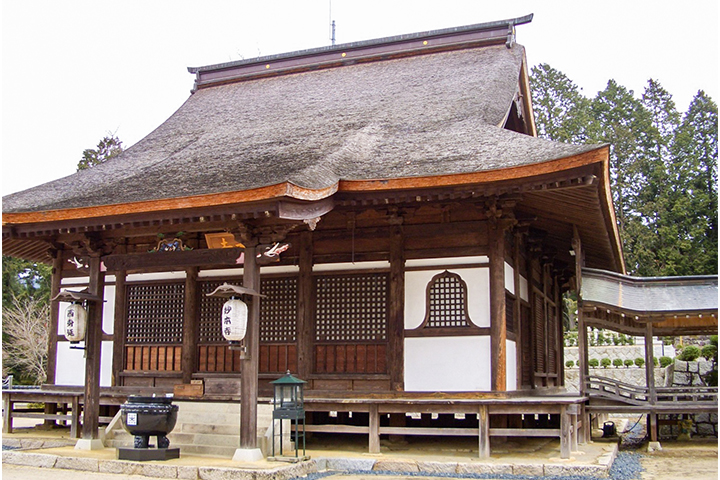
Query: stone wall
[
  {"x": 632, "y": 376},
  {"x": 623, "y": 352},
  {"x": 689, "y": 374}
]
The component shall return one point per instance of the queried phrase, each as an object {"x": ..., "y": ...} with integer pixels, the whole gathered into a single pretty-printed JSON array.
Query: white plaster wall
[
  {"x": 434, "y": 262},
  {"x": 145, "y": 277},
  {"x": 108, "y": 324},
  {"x": 447, "y": 364},
  {"x": 524, "y": 290},
  {"x": 478, "y": 283},
  {"x": 509, "y": 278},
  {"x": 71, "y": 365},
  {"x": 510, "y": 365},
  {"x": 340, "y": 267}
]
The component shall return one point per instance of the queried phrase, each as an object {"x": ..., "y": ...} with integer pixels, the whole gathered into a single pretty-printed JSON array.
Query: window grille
[
  {"x": 352, "y": 308},
  {"x": 155, "y": 313},
  {"x": 209, "y": 325},
  {"x": 278, "y": 310},
  {"x": 447, "y": 302}
]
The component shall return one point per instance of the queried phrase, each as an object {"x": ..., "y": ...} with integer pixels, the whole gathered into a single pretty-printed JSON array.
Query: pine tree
[
  {"x": 561, "y": 111},
  {"x": 109, "y": 147},
  {"x": 622, "y": 121}
]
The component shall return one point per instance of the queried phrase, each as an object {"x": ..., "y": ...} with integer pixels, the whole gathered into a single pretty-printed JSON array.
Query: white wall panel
[
  {"x": 447, "y": 364},
  {"x": 511, "y": 365}
]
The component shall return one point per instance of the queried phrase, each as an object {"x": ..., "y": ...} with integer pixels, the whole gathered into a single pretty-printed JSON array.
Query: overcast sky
[{"x": 73, "y": 71}]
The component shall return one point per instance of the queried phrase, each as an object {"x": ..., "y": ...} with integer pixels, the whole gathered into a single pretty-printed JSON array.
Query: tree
[
  {"x": 23, "y": 279},
  {"x": 562, "y": 112},
  {"x": 622, "y": 121},
  {"x": 692, "y": 222},
  {"x": 109, "y": 147},
  {"x": 663, "y": 168},
  {"x": 26, "y": 326}
]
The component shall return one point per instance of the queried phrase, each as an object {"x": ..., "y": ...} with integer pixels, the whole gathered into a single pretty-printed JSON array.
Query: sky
[{"x": 74, "y": 71}]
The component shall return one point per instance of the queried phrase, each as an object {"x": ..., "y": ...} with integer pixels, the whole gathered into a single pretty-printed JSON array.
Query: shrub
[
  {"x": 618, "y": 362},
  {"x": 639, "y": 361},
  {"x": 605, "y": 362},
  {"x": 569, "y": 364},
  {"x": 593, "y": 362},
  {"x": 708, "y": 352},
  {"x": 665, "y": 361},
  {"x": 629, "y": 363},
  {"x": 689, "y": 353},
  {"x": 656, "y": 362}
]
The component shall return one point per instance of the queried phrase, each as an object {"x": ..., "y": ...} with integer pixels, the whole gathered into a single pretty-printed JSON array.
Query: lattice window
[
  {"x": 209, "y": 326},
  {"x": 352, "y": 308},
  {"x": 447, "y": 302},
  {"x": 278, "y": 311},
  {"x": 155, "y": 313},
  {"x": 509, "y": 313}
]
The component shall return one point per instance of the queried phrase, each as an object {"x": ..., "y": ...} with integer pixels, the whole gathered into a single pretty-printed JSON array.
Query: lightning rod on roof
[{"x": 332, "y": 25}]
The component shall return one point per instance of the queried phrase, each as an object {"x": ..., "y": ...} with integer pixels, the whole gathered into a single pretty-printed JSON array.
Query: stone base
[
  {"x": 89, "y": 444},
  {"x": 289, "y": 459},
  {"x": 248, "y": 455},
  {"x": 654, "y": 447},
  {"x": 147, "y": 454}
]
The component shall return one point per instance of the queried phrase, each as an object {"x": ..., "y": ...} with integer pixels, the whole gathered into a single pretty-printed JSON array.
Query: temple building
[{"x": 408, "y": 232}]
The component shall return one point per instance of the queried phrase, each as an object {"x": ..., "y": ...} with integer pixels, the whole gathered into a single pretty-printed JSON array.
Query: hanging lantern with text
[
  {"x": 234, "y": 320},
  {"x": 75, "y": 322}
]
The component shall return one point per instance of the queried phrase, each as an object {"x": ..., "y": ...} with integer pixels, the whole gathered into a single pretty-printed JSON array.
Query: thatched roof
[
  {"x": 444, "y": 110},
  {"x": 425, "y": 115}
]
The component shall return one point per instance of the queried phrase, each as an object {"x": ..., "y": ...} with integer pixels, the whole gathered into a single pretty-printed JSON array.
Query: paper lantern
[
  {"x": 234, "y": 320},
  {"x": 75, "y": 322}
]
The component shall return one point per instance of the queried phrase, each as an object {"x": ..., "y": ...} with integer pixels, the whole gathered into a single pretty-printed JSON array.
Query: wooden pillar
[
  {"x": 119, "y": 327},
  {"x": 650, "y": 363},
  {"x": 396, "y": 327},
  {"x": 373, "y": 428},
  {"x": 483, "y": 432},
  {"x": 249, "y": 383},
  {"x": 51, "y": 408},
  {"x": 54, "y": 316},
  {"x": 191, "y": 317},
  {"x": 583, "y": 356},
  {"x": 93, "y": 347},
  {"x": 517, "y": 309},
  {"x": 498, "y": 327},
  {"x": 305, "y": 305},
  {"x": 565, "y": 426}
]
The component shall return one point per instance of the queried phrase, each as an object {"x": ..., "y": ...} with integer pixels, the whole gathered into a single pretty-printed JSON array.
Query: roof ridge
[{"x": 478, "y": 27}]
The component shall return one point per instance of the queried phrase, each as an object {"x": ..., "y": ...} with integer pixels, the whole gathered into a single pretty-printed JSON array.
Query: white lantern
[
  {"x": 234, "y": 320},
  {"x": 75, "y": 322}
]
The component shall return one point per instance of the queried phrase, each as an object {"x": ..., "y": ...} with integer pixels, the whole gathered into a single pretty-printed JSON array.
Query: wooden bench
[{"x": 68, "y": 399}]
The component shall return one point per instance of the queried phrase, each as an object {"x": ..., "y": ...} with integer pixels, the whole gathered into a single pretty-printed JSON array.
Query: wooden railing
[
  {"x": 637, "y": 395},
  {"x": 615, "y": 390}
]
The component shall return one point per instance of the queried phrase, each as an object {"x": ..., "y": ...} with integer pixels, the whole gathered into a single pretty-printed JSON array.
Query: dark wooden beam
[
  {"x": 120, "y": 327},
  {"x": 55, "y": 285},
  {"x": 191, "y": 316},
  {"x": 305, "y": 306},
  {"x": 93, "y": 350},
  {"x": 396, "y": 314},
  {"x": 173, "y": 260},
  {"x": 249, "y": 383},
  {"x": 498, "y": 326}
]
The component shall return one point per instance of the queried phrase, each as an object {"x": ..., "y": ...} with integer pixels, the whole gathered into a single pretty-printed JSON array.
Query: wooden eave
[{"x": 578, "y": 183}]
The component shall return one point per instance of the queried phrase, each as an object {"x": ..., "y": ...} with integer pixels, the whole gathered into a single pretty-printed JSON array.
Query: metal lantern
[
  {"x": 75, "y": 322},
  {"x": 288, "y": 403},
  {"x": 234, "y": 319}
]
